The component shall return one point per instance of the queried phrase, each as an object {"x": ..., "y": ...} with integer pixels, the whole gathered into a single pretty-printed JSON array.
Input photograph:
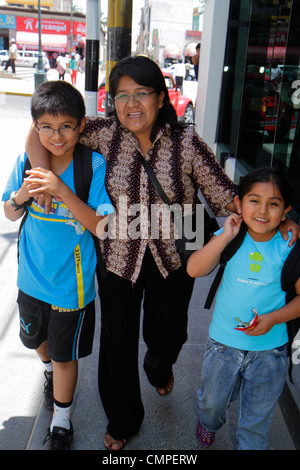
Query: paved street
[{"x": 169, "y": 422}]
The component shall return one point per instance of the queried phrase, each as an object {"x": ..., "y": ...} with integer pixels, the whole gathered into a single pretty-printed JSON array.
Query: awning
[
  {"x": 190, "y": 49},
  {"x": 50, "y": 42},
  {"x": 172, "y": 50}
]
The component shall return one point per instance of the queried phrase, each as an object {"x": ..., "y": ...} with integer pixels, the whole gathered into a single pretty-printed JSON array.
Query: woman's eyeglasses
[{"x": 139, "y": 96}]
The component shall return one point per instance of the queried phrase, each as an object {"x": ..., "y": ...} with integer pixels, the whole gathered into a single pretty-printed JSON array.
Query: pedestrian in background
[
  {"x": 61, "y": 68},
  {"x": 13, "y": 55},
  {"x": 179, "y": 73},
  {"x": 195, "y": 60},
  {"x": 73, "y": 66}
]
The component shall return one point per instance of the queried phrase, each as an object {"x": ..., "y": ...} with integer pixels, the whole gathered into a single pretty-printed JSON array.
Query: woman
[
  {"x": 144, "y": 123},
  {"x": 73, "y": 66}
]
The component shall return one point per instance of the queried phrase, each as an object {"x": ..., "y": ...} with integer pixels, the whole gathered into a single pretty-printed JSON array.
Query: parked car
[
  {"x": 4, "y": 56},
  {"x": 183, "y": 106},
  {"x": 30, "y": 59}
]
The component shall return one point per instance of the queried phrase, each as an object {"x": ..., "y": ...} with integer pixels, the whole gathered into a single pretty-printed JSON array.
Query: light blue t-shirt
[
  {"x": 57, "y": 256},
  {"x": 251, "y": 281}
]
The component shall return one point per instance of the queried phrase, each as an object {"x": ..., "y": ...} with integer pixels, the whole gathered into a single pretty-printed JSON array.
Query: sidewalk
[
  {"x": 170, "y": 421},
  {"x": 25, "y": 87}
]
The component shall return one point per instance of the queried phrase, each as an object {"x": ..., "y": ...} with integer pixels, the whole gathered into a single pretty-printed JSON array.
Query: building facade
[
  {"x": 60, "y": 32},
  {"x": 169, "y": 30}
]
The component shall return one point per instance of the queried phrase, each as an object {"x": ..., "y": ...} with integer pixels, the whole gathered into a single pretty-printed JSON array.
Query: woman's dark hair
[
  {"x": 267, "y": 175},
  {"x": 57, "y": 97},
  {"x": 145, "y": 72}
]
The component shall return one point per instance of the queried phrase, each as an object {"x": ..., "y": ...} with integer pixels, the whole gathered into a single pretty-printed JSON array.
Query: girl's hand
[
  {"x": 263, "y": 325},
  {"x": 232, "y": 226}
]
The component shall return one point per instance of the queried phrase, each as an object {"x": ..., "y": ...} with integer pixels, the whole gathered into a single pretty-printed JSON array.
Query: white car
[
  {"x": 30, "y": 59},
  {"x": 4, "y": 56}
]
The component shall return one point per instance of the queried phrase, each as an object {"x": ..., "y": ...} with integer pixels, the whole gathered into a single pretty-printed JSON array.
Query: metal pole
[
  {"x": 72, "y": 36},
  {"x": 39, "y": 76},
  {"x": 119, "y": 38},
  {"x": 92, "y": 57}
]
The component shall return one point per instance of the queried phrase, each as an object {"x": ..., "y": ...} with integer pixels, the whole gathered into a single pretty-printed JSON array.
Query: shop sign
[
  {"x": 7, "y": 22},
  {"x": 49, "y": 26}
]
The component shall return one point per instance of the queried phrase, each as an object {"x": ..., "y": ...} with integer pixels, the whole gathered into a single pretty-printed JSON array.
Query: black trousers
[
  {"x": 11, "y": 63},
  {"x": 165, "y": 303}
]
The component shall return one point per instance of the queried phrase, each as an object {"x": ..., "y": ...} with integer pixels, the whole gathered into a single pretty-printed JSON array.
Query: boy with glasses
[{"x": 57, "y": 257}]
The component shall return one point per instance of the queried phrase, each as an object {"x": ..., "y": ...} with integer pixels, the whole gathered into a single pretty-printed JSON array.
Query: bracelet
[{"x": 12, "y": 201}]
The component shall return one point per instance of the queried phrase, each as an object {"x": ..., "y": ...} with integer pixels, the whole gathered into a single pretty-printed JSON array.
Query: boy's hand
[
  {"x": 43, "y": 181},
  {"x": 23, "y": 194},
  {"x": 45, "y": 199}
]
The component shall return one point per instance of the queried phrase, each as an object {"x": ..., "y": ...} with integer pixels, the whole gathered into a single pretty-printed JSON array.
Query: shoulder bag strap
[{"x": 155, "y": 181}]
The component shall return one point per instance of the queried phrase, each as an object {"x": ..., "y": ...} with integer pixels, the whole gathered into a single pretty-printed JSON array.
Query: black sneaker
[
  {"x": 60, "y": 438},
  {"x": 48, "y": 390}
]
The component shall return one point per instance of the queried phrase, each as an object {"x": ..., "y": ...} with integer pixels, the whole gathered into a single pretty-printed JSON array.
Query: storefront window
[
  {"x": 233, "y": 73},
  {"x": 258, "y": 119}
]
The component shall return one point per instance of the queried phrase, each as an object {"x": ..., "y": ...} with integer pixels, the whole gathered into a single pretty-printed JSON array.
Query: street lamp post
[{"x": 39, "y": 76}]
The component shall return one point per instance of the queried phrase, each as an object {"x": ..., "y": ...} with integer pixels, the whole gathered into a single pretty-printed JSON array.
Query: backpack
[
  {"x": 289, "y": 275},
  {"x": 83, "y": 173}
]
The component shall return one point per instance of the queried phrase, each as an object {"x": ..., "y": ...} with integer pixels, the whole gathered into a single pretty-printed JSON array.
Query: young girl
[{"x": 248, "y": 362}]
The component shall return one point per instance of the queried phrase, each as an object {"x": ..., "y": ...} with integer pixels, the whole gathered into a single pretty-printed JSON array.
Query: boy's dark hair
[
  {"x": 267, "y": 175},
  {"x": 145, "y": 72},
  {"x": 57, "y": 97}
]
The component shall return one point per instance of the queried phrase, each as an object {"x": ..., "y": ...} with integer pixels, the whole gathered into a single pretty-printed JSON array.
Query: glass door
[{"x": 261, "y": 121}]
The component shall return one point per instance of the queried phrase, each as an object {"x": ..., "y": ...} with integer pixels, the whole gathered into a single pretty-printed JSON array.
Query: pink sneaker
[{"x": 205, "y": 437}]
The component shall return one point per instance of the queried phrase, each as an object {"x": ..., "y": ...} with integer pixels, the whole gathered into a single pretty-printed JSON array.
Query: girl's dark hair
[
  {"x": 57, "y": 97},
  {"x": 267, "y": 175},
  {"x": 145, "y": 72}
]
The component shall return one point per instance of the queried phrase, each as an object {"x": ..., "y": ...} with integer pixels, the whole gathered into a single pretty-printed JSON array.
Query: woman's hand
[{"x": 289, "y": 225}]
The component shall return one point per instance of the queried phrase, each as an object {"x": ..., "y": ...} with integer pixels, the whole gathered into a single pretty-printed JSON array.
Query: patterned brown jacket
[{"x": 183, "y": 164}]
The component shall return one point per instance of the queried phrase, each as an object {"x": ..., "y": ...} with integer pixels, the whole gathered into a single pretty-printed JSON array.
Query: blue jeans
[{"x": 255, "y": 377}]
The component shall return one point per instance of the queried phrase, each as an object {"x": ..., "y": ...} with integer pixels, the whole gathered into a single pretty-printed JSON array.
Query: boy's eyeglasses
[
  {"x": 64, "y": 130},
  {"x": 139, "y": 96}
]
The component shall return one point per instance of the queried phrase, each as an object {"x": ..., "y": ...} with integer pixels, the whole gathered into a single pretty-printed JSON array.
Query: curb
[{"x": 15, "y": 93}]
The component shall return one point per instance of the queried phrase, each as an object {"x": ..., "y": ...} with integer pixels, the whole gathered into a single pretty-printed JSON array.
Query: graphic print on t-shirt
[{"x": 256, "y": 261}]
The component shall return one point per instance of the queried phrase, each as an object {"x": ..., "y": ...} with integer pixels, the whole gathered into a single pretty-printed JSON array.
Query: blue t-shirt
[
  {"x": 251, "y": 282},
  {"x": 57, "y": 256}
]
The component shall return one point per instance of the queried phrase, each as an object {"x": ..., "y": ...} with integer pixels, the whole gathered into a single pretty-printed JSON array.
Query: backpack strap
[
  {"x": 27, "y": 166},
  {"x": 226, "y": 255},
  {"x": 289, "y": 275},
  {"x": 83, "y": 171},
  {"x": 83, "y": 174},
  {"x": 291, "y": 272}
]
